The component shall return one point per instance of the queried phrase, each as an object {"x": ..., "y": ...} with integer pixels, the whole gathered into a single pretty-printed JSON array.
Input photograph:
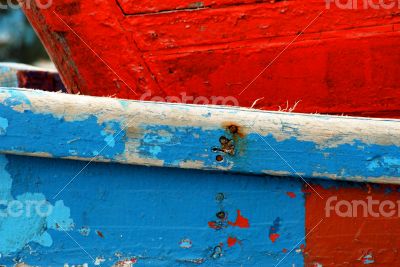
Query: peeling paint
[
  {"x": 21, "y": 223},
  {"x": 185, "y": 243},
  {"x": 126, "y": 263},
  {"x": 3, "y": 126},
  {"x": 84, "y": 231},
  {"x": 99, "y": 261},
  {"x": 274, "y": 229},
  {"x": 153, "y": 138}
]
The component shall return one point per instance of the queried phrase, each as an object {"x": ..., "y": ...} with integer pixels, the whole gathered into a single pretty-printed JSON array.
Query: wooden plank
[
  {"x": 199, "y": 137},
  {"x": 344, "y": 61},
  {"x": 267, "y": 22},
  {"x": 325, "y": 83},
  {"x": 26, "y": 76}
]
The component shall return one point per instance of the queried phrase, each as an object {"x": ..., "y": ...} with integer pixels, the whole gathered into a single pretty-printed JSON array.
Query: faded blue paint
[
  {"x": 110, "y": 133},
  {"x": 145, "y": 213},
  {"x": 368, "y": 259},
  {"x": 8, "y": 77},
  {"x": 384, "y": 161},
  {"x": 83, "y": 138},
  {"x": 26, "y": 218},
  {"x": 3, "y": 126},
  {"x": 254, "y": 155}
]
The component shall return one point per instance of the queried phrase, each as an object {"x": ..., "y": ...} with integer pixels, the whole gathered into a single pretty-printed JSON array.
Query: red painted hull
[{"x": 345, "y": 62}]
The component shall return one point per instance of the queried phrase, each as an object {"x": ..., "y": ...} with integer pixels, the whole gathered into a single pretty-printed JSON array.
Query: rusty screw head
[
  {"x": 219, "y": 158},
  {"x": 221, "y": 215},
  {"x": 233, "y": 129}
]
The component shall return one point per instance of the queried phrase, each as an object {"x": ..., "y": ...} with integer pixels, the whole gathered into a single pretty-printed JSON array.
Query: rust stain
[
  {"x": 227, "y": 145},
  {"x": 234, "y": 129}
]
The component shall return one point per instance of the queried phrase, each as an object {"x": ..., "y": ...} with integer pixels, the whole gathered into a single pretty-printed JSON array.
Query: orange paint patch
[
  {"x": 241, "y": 221},
  {"x": 274, "y": 237}
]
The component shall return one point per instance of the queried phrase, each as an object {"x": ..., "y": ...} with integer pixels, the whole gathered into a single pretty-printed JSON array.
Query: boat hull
[
  {"x": 156, "y": 184},
  {"x": 309, "y": 56},
  {"x": 123, "y": 215}
]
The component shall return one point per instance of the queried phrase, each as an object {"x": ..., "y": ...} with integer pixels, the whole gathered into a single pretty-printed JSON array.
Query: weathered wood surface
[
  {"x": 198, "y": 137},
  {"x": 345, "y": 62},
  {"x": 56, "y": 209}
]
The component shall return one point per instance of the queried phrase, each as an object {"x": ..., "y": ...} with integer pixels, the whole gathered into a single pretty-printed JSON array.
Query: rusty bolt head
[
  {"x": 221, "y": 215},
  {"x": 233, "y": 129}
]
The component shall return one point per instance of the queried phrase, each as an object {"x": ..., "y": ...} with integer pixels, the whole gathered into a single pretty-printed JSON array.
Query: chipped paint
[
  {"x": 186, "y": 243},
  {"x": 3, "y": 126},
  {"x": 368, "y": 259},
  {"x": 133, "y": 229},
  {"x": 126, "y": 263},
  {"x": 156, "y": 129},
  {"x": 274, "y": 229},
  {"x": 84, "y": 231},
  {"x": 99, "y": 261},
  {"x": 232, "y": 241},
  {"x": 26, "y": 218},
  {"x": 291, "y": 194}
]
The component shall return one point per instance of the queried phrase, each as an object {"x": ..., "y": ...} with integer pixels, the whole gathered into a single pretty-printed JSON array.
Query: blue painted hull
[
  {"x": 154, "y": 215},
  {"x": 88, "y": 181}
]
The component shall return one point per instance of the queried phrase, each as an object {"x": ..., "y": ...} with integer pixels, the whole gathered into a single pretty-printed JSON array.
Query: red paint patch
[
  {"x": 213, "y": 225},
  {"x": 99, "y": 233},
  {"x": 284, "y": 250},
  {"x": 274, "y": 237},
  {"x": 291, "y": 194},
  {"x": 344, "y": 241},
  {"x": 232, "y": 241},
  {"x": 241, "y": 221}
]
